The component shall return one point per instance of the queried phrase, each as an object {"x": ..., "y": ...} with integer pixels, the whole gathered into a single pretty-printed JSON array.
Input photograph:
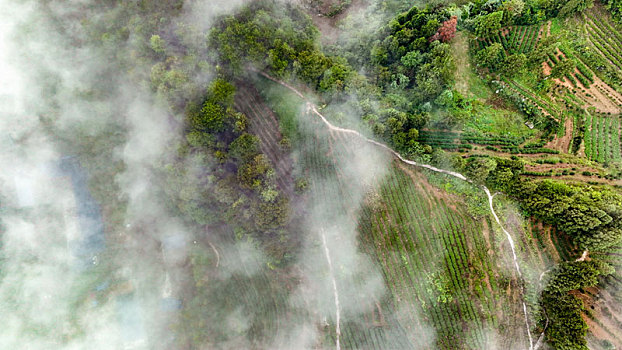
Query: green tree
[
  {"x": 271, "y": 214},
  {"x": 221, "y": 92},
  {"x": 487, "y": 25},
  {"x": 478, "y": 169},
  {"x": 310, "y": 65},
  {"x": 563, "y": 68},
  {"x": 574, "y": 6},
  {"x": 156, "y": 43},
  {"x": 512, "y": 9},
  {"x": 244, "y": 147},
  {"x": 490, "y": 56},
  {"x": 514, "y": 64}
]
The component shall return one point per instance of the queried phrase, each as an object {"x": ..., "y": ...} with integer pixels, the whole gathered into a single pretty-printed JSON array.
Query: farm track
[{"x": 312, "y": 108}]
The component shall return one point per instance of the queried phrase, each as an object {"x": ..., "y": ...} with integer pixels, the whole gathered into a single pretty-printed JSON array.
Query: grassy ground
[
  {"x": 467, "y": 82},
  {"x": 285, "y": 104}
]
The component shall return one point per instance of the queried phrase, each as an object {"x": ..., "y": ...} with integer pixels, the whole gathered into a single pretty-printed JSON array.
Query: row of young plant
[
  {"x": 523, "y": 103},
  {"x": 551, "y": 109},
  {"x": 530, "y": 39},
  {"x": 586, "y": 77},
  {"x": 550, "y": 173},
  {"x": 614, "y": 99},
  {"x": 522, "y": 150},
  {"x": 483, "y": 139},
  {"x": 602, "y": 26},
  {"x": 444, "y": 297},
  {"x": 602, "y": 41},
  {"x": 448, "y": 140},
  {"x": 553, "y": 59},
  {"x": 583, "y": 47},
  {"x": 602, "y": 141},
  {"x": 523, "y": 39},
  {"x": 265, "y": 126}
]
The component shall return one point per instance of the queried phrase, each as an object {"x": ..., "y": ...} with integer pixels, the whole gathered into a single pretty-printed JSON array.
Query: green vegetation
[
  {"x": 217, "y": 138},
  {"x": 567, "y": 329},
  {"x": 527, "y": 94},
  {"x": 458, "y": 291},
  {"x": 602, "y": 140}
]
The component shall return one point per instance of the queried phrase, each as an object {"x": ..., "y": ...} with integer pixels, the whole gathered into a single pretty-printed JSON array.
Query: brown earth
[
  {"x": 328, "y": 26},
  {"x": 544, "y": 31},
  {"x": 602, "y": 325},
  {"x": 562, "y": 144},
  {"x": 602, "y": 97}
]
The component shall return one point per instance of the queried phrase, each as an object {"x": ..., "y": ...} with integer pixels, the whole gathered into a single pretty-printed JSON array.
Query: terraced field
[
  {"x": 602, "y": 139},
  {"x": 516, "y": 39},
  {"x": 605, "y": 38},
  {"x": 446, "y": 261},
  {"x": 440, "y": 266}
]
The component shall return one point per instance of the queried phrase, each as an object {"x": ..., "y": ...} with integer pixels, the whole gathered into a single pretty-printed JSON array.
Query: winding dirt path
[
  {"x": 312, "y": 107},
  {"x": 335, "y": 292}
]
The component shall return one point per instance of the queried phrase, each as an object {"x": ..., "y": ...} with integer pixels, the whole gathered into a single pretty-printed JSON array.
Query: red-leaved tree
[{"x": 447, "y": 31}]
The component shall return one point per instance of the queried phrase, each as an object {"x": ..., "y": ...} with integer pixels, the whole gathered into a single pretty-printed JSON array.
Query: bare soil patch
[
  {"x": 599, "y": 95},
  {"x": 562, "y": 144},
  {"x": 328, "y": 26}
]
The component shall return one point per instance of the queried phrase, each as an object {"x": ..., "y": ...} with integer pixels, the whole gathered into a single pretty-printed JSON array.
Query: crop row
[
  {"x": 264, "y": 125},
  {"x": 585, "y": 76},
  {"x": 481, "y": 139},
  {"x": 522, "y": 39},
  {"x": 550, "y": 109},
  {"x": 604, "y": 26},
  {"x": 530, "y": 39},
  {"x": 524, "y": 103},
  {"x": 602, "y": 139},
  {"x": 539, "y": 150},
  {"x": 528, "y": 102},
  {"x": 537, "y": 173},
  {"x": 401, "y": 276},
  {"x": 608, "y": 47},
  {"x": 438, "y": 284},
  {"x": 585, "y": 71}
]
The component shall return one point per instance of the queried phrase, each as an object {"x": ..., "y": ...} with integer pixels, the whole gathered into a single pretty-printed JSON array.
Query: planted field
[
  {"x": 463, "y": 142},
  {"x": 516, "y": 39},
  {"x": 439, "y": 265},
  {"x": 323, "y": 160},
  {"x": 604, "y": 37},
  {"x": 260, "y": 301},
  {"x": 525, "y": 100},
  {"x": 438, "y": 261},
  {"x": 588, "y": 90},
  {"x": 602, "y": 139}
]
